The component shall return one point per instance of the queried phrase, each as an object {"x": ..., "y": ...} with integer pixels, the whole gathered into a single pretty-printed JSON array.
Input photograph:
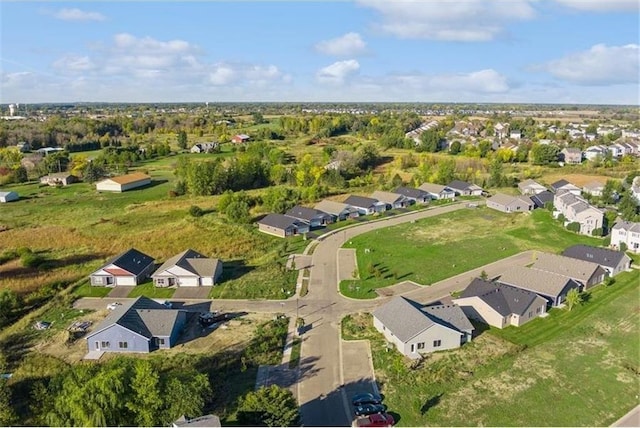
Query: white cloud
[
  {"x": 486, "y": 81},
  {"x": 222, "y": 75},
  {"x": 600, "y": 65},
  {"x": 451, "y": 20},
  {"x": 78, "y": 15},
  {"x": 338, "y": 72},
  {"x": 73, "y": 63},
  {"x": 602, "y": 5},
  {"x": 350, "y": 44}
]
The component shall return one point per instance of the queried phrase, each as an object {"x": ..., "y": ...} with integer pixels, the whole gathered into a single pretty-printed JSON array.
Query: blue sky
[{"x": 520, "y": 51}]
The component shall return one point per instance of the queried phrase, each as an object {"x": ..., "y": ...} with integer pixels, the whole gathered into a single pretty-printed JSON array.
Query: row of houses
[
  {"x": 132, "y": 267},
  {"x": 300, "y": 220},
  {"x": 516, "y": 297}
]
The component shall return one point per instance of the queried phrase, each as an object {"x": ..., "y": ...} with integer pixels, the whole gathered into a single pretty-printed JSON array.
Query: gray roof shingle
[
  {"x": 601, "y": 256},
  {"x": 536, "y": 280},
  {"x": 360, "y": 201},
  {"x": 191, "y": 261},
  {"x": 132, "y": 261},
  {"x": 504, "y": 299},
  {"x": 411, "y": 192},
  {"x": 279, "y": 221},
  {"x": 576, "y": 269},
  {"x": 305, "y": 213}
]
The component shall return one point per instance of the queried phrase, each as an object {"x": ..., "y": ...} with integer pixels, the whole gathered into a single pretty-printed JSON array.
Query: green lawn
[
  {"x": 437, "y": 248},
  {"x": 88, "y": 290},
  {"x": 149, "y": 290},
  {"x": 573, "y": 368}
]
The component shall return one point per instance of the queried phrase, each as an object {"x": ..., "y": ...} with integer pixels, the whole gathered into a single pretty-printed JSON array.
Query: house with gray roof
[
  {"x": 571, "y": 155},
  {"x": 565, "y": 185},
  {"x": 510, "y": 204},
  {"x": 577, "y": 210},
  {"x": 314, "y": 217},
  {"x": 500, "y": 305},
  {"x": 413, "y": 195},
  {"x": 188, "y": 269},
  {"x": 416, "y": 330},
  {"x": 586, "y": 273},
  {"x": 612, "y": 261},
  {"x": 530, "y": 187},
  {"x": 129, "y": 268},
  {"x": 539, "y": 200},
  {"x": 366, "y": 206},
  {"x": 463, "y": 188},
  {"x": 594, "y": 188},
  {"x": 282, "y": 225},
  {"x": 551, "y": 286},
  {"x": 391, "y": 199},
  {"x": 58, "y": 179},
  {"x": 627, "y": 233},
  {"x": 142, "y": 325},
  {"x": 339, "y": 211},
  {"x": 438, "y": 191}
]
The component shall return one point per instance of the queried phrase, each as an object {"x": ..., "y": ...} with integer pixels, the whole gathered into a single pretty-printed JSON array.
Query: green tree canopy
[{"x": 273, "y": 406}]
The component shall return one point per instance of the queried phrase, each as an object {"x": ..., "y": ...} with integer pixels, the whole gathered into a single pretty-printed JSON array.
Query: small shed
[{"x": 8, "y": 196}]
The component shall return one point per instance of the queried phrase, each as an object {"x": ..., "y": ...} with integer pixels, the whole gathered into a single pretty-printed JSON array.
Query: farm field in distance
[
  {"x": 440, "y": 247},
  {"x": 578, "y": 360}
]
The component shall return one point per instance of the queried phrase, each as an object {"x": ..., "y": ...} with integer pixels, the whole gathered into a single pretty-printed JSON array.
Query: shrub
[
  {"x": 597, "y": 232},
  {"x": 31, "y": 260},
  {"x": 196, "y": 211},
  {"x": 574, "y": 227}
]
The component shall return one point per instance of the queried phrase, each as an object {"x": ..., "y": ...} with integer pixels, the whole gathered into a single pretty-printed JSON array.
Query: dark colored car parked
[
  {"x": 366, "y": 398},
  {"x": 369, "y": 409}
]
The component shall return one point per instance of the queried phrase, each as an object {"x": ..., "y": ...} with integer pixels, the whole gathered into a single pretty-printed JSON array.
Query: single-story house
[
  {"x": 463, "y": 188},
  {"x": 551, "y": 286},
  {"x": 510, "y": 204},
  {"x": 438, "y": 191},
  {"x": 571, "y": 155},
  {"x": 123, "y": 183},
  {"x": 565, "y": 185},
  {"x": 416, "y": 330},
  {"x": 415, "y": 196},
  {"x": 59, "y": 179},
  {"x": 8, "y": 196},
  {"x": 628, "y": 233},
  {"x": 142, "y": 325},
  {"x": 240, "y": 138},
  {"x": 201, "y": 421},
  {"x": 612, "y": 261},
  {"x": 204, "y": 147},
  {"x": 188, "y": 269},
  {"x": 129, "y": 268},
  {"x": 366, "y": 205},
  {"x": 586, "y": 273},
  {"x": 282, "y": 225},
  {"x": 500, "y": 305},
  {"x": 542, "y": 198},
  {"x": 530, "y": 187},
  {"x": 314, "y": 217},
  {"x": 594, "y": 188},
  {"x": 391, "y": 199},
  {"x": 338, "y": 210}
]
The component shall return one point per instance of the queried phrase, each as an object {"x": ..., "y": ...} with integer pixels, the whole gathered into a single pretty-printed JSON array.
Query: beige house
[
  {"x": 530, "y": 187},
  {"x": 571, "y": 155},
  {"x": 123, "y": 183},
  {"x": 58, "y": 179},
  {"x": 510, "y": 204},
  {"x": 500, "y": 305},
  {"x": 594, "y": 188},
  {"x": 551, "y": 286},
  {"x": 576, "y": 209},
  {"x": 393, "y": 200},
  {"x": 438, "y": 191},
  {"x": 586, "y": 273},
  {"x": 416, "y": 330},
  {"x": 188, "y": 269}
]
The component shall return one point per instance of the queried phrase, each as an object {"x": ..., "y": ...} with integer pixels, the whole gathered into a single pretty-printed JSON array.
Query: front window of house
[
  {"x": 105, "y": 344},
  {"x": 421, "y": 345},
  {"x": 437, "y": 343},
  {"x": 123, "y": 345}
]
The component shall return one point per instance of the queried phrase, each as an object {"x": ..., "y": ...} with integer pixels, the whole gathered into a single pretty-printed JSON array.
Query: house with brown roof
[
  {"x": 500, "y": 305},
  {"x": 415, "y": 329},
  {"x": 188, "y": 269},
  {"x": 551, "y": 286},
  {"x": 510, "y": 204},
  {"x": 240, "y": 138},
  {"x": 587, "y": 274},
  {"x": 123, "y": 183}
]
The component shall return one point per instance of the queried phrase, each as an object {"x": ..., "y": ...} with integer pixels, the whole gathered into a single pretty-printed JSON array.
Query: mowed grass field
[
  {"x": 78, "y": 229},
  {"x": 573, "y": 368},
  {"x": 437, "y": 248}
]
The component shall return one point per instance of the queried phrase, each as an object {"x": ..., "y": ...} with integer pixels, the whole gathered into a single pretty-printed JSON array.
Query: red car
[{"x": 376, "y": 420}]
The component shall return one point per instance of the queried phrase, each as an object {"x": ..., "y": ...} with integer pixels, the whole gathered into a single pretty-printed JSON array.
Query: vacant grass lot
[
  {"x": 78, "y": 229},
  {"x": 437, "y": 248},
  {"x": 573, "y": 368}
]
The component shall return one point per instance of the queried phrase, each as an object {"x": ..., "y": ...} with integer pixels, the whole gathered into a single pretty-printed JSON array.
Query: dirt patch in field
[{"x": 577, "y": 179}]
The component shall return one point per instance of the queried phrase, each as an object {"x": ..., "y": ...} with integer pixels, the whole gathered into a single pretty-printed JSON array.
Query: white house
[
  {"x": 628, "y": 233},
  {"x": 188, "y": 269},
  {"x": 416, "y": 330},
  {"x": 123, "y": 183},
  {"x": 129, "y": 268},
  {"x": 8, "y": 196},
  {"x": 575, "y": 209}
]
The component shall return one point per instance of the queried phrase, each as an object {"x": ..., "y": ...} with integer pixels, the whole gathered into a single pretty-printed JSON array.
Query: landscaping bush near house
[{"x": 574, "y": 227}]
